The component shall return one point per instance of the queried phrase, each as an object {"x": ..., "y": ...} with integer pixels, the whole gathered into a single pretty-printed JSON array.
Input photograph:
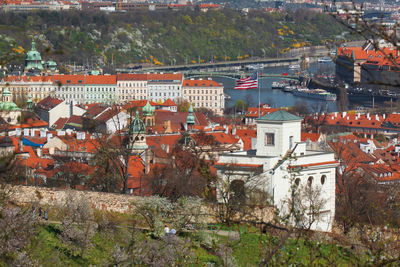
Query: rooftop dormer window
[{"x": 68, "y": 81}]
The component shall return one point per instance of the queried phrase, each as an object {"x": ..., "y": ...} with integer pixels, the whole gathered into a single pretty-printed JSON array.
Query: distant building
[
  {"x": 86, "y": 88},
  {"x": 39, "y": 87},
  {"x": 204, "y": 94},
  {"x": 161, "y": 86},
  {"x": 369, "y": 65},
  {"x": 131, "y": 87}
]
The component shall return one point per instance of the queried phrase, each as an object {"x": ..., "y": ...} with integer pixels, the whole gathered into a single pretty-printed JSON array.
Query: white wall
[{"x": 282, "y": 131}]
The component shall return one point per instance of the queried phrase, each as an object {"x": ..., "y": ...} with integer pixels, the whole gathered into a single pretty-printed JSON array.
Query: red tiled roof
[
  {"x": 313, "y": 137},
  {"x": 138, "y": 103},
  {"x": 238, "y": 164},
  {"x": 351, "y": 153},
  {"x": 75, "y": 119},
  {"x": 168, "y": 103},
  {"x": 94, "y": 110},
  {"x": 316, "y": 164},
  {"x": 59, "y": 124},
  {"x": 31, "y": 123},
  {"x": 252, "y": 112},
  {"x": 132, "y": 77},
  {"x": 28, "y": 79},
  {"x": 200, "y": 83},
  {"x": 48, "y": 103},
  {"x": 108, "y": 114},
  {"x": 84, "y": 79},
  {"x": 164, "y": 76}
]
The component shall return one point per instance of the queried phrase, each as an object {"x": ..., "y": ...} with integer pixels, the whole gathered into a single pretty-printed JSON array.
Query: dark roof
[
  {"x": 48, "y": 103},
  {"x": 94, "y": 111}
]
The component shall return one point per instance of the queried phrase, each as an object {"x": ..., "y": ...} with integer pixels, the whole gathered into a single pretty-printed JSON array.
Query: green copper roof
[
  {"x": 137, "y": 125},
  {"x": 148, "y": 110},
  {"x": 190, "y": 117},
  {"x": 51, "y": 63},
  {"x": 280, "y": 115},
  {"x": 33, "y": 58},
  {"x": 6, "y": 92},
  {"x": 33, "y": 54},
  {"x": 8, "y": 106}
]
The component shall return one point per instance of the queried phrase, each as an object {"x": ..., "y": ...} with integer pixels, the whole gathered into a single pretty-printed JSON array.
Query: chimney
[
  {"x": 384, "y": 116},
  {"x": 21, "y": 145},
  {"x": 233, "y": 130},
  {"x": 226, "y": 129},
  {"x": 167, "y": 126},
  {"x": 147, "y": 161},
  {"x": 344, "y": 114},
  {"x": 335, "y": 114},
  {"x": 377, "y": 117},
  {"x": 368, "y": 116}
]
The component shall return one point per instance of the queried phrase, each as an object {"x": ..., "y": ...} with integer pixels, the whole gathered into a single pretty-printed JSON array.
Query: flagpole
[{"x": 258, "y": 87}]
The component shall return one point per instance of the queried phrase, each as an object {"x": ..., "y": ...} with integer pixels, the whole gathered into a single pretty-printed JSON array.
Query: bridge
[
  {"x": 236, "y": 75},
  {"x": 217, "y": 66}
]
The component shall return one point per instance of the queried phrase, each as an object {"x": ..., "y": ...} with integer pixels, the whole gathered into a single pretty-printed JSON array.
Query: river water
[{"x": 278, "y": 98}]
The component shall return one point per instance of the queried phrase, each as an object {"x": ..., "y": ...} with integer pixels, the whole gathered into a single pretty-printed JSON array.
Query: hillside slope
[{"x": 164, "y": 37}]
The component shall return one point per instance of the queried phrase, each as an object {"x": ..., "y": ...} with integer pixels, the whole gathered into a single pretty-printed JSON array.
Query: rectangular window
[{"x": 269, "y": 139}]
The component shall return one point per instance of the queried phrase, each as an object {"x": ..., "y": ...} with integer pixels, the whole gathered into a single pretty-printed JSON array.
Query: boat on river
[
  {"x": 320, "y": 94},
  {"x": 278, "y": 85},
  {"x": 294, "y": 67}
]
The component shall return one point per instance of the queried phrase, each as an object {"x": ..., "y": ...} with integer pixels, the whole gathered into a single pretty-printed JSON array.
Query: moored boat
[
  {"x": 294, "y": 67},
  {"x": 289, "y": 88},
  {"x": 278, "y": 85},
  {"x": 316, "y": 94}
]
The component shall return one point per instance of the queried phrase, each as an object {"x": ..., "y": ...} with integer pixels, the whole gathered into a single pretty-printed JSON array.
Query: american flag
[{"x": 250, "y": 82}]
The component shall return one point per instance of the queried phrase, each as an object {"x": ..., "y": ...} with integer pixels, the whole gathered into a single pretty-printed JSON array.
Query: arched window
[
  {"x": 310, "y": 180},
  {"x": 297, "y": 182},
  {"x": 323, "y": 179}
]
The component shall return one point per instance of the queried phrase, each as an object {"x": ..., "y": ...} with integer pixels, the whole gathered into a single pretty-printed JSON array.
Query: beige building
[
  {"x": 131, "y": 87},
  {"x": 20, "y": 87},
  {"x": 204, "y": 94}
]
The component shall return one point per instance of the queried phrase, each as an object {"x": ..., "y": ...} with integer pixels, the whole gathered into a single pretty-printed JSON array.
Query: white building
[
  {"x": 131, "y": 87},
  {"x": 161, "y": 86},
  {"x": 51, "y": 109},
  {"x": 281, "y": 160},
  {"x": 86, "y": 88},
  {"x": 204, "y": 94}
]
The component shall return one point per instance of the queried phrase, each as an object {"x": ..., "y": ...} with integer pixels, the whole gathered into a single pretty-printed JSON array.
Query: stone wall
[
  {"x": 120, "y": 203},
  {"x": 53, "y": 197}
]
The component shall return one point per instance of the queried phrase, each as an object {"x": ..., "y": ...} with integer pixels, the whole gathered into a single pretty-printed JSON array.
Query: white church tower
[{"x": 277, "y": 133}]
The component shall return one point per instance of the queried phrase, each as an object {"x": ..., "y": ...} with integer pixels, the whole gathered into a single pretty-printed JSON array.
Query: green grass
[{"x": 47, "y": 249}]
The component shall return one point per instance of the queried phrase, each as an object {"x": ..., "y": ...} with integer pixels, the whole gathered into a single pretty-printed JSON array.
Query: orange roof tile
[
  {"x": 164, "y": 76},
  {"x": 313, "y": 137},
  {"x": 252, "y": 112},
  {"x": 200, "y": 83}
]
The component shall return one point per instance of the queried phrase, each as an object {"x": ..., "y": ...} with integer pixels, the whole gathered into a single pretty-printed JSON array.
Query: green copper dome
[
  {"x": 6, "y": 92},
  {"x": 8, "y": 106},
  {"x": 137, "y": 125},
  {"x": 33, "y": 58},
  {"x": 148, "y": 110},
  {"x": 190, "y": 117}
]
